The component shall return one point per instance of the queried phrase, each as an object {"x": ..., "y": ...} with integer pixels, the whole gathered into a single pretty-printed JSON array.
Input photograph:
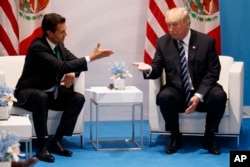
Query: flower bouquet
[
  {"x": 9, "y": 146},
  {"x": 119, "y": 72},
  {"x": 6, "y": 100}
]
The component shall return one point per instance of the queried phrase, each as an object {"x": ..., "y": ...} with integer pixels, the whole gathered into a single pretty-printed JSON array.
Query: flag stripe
[
  {"x": 171, "y": 4},
  {"x": 6, "y": 42},
  {"x": 147, "y": 57},
  {"x": 9, "y": 33},
  {"x": 8, "y": 10},
  {"x": 23, "y": 45},
  {"x": 155, "y": 27},
  {"x": 215, "y": 33},
  {"x": 151, "y": 35},
  {"x": 156, "y": 11}
]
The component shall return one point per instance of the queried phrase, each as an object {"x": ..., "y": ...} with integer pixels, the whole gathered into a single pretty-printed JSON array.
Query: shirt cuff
[
  {"x": 200, "y": 96},
  {"x": 148, "y": 73},
  {"x": 87, "y": 59}
]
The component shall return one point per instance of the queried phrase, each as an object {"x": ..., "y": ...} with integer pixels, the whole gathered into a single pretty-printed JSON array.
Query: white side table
[
  {"x": 22, "y": 126},
  {"x": 103, "y": 96}
]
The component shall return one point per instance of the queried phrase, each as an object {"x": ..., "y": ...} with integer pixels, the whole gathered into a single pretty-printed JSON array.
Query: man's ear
[{"x": 49, "y": 33}]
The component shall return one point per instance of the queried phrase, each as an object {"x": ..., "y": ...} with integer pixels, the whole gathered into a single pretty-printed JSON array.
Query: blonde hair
[{"x": 177, "y": 14}]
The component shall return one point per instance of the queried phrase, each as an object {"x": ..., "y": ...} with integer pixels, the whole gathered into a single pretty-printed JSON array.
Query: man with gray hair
[{"x": 192, "y": 69}]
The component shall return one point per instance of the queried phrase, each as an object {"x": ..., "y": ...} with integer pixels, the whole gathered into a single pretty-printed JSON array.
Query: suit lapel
[{"x": 192, "y": 52}]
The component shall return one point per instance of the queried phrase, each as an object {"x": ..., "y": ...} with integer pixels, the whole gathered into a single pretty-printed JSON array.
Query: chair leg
[
  {"x": 238, "y": 141},
  {"x": 81, "y": 140},
  {"x": 150, "y": 139}
]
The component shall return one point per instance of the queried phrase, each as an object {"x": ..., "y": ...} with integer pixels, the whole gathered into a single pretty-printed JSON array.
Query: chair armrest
[
  {"x": 235, "y": 95},
  {"x": 2, "y": 77},
  {"x": 156, "y": 121},
  {"x": 79, "y": 83},
  {"x": 79, "y": 86}
]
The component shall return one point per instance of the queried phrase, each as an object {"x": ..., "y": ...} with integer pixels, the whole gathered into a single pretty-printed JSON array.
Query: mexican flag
[
  {"x": 205, "y": 17},
  {"x": 30, "y": 15}
]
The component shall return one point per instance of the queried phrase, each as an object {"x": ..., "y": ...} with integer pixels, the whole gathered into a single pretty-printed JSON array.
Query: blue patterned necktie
[{"x": 184, "y": 72}]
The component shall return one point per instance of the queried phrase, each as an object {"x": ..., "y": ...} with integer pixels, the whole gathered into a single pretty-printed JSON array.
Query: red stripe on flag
[
  {"x": 158, "y": 15},
  {"x": 151, "y": 35},
  {"x": 171, "y": 4},
  {"x": 147, "y": 58},
  {"x": 7, "y": 44},
  {"x": 215, "y": 33},
  {"x": 8, "y": 11},
  {"x": 24, "y": 45}
]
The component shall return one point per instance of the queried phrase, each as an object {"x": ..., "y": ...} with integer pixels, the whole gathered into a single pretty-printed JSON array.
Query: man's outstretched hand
[
  {"x": 142, "y": 66},
  {"x": 100, "y": 53}
]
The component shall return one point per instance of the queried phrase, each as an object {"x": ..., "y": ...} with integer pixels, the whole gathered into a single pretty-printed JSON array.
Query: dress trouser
[
  {"x": 39, "y": 102},
  {"x": 171, "y": 103}
]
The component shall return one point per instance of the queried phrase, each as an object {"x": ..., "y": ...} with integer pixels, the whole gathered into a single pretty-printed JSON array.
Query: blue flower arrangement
[
  {"x": 9, "y": 146},
  {"x": 118, "y": 70},
  {"x": 6, "y": 95}
]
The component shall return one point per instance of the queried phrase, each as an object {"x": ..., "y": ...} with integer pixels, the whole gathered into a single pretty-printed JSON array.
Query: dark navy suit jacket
[
  {"x": 203, "y": 62},
  {"x": 41, "y": 67}
]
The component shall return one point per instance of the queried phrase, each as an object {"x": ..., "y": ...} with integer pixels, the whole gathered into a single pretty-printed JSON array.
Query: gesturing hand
[
  {"x": 100, "y": 53},
  {"x": 142, "y": 66}
]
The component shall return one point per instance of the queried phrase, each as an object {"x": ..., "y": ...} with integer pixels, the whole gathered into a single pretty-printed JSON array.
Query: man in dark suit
[
  {"x": 39, "y": 89},
  {"x": 203, "y": 73}
]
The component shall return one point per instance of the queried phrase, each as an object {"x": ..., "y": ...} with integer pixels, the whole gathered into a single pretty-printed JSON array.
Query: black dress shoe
[
  {"x": 43, "y": 155},
  {"x": 210, "y": 145},
  {"x": 173, "y": 146},
  {"x": 57, "y": 148}
]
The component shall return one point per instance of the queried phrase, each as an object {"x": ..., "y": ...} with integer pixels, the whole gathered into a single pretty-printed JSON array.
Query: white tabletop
[
  {"x": 18, "y": 124},
  {"x": 130, "y": 94}
]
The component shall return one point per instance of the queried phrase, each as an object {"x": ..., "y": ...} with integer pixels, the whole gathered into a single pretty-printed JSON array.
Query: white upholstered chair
[
  {"x": 10, "y": 71},
  {"x": 232, "y": 79}
]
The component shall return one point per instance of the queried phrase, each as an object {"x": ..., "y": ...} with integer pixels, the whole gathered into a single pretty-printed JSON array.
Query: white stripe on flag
[
  {"x": 149, "y": 47},
  {"x": 162, "y": 5},
  {"x": 155, "y": 25},
  {"x": 9, "y": 28},
  {"x": 5, "y": 22},
  {"x": 3, "y": 51},
  {"x": 205, "y": 27},
  {"x": 158, "y": 6}
]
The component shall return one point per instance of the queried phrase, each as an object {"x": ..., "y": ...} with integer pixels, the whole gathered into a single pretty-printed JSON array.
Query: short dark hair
[{"x": 50, "y": 21}]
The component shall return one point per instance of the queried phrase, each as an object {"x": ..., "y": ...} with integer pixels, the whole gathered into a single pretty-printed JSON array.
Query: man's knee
[
  {"x": 80, "y": 98},
  {"x": 220, "y": 96},
  {"x": 167, "y": 96}
]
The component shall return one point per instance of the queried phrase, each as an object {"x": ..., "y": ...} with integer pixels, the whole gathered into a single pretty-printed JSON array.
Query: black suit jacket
[
  {"x": 203, "y": 62},
  {"x": 41, "y": 66}
]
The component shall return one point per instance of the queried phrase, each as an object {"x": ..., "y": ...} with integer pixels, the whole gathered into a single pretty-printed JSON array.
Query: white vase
[
  {"x": 4, "y": 112},
  {"x": 5, "y": 163},
  {"x": 119, "y": 84}
]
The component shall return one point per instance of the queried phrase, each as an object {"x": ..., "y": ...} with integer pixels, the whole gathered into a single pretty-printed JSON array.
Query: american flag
[
  {"x": 9, "y": 33},
  {"x": 204, "y": 18},
  {"x": 20, "y": 24}
]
